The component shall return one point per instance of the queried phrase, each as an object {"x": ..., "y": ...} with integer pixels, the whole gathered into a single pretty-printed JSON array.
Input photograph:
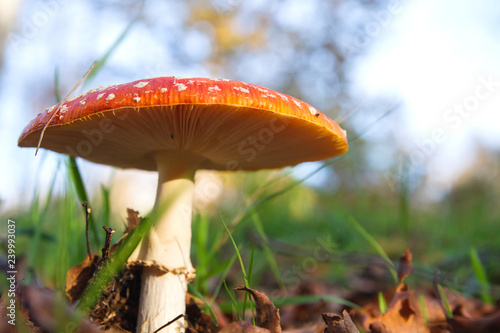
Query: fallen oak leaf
[
  {"x": 337, "y": 324},
  {"x": 78, "y": 277},
  {"x": 402, "y": 296},
  {"x": 267, "y": 316},
  {"x": 400, "y": 316}
]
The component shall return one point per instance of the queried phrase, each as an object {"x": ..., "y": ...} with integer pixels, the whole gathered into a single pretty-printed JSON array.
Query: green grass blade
[
  {"x": 267, "y": 251},
  {"x": 81, "y": 192},
  {"x": 480, "y": 272},
  {"x": 382, "y": 304},
  {"x": 250, "y": 268},
  {"x": 30, "y": 232},
  {"x": 202, "y": 239},
  {"x": 105, "y": 209},
  {"x": 250, "y": 264},
  {"x": 216, "y": 243},
  {"x": 113, "y": 267},
  {"x": 218, "y": 268},
  {"x": 100, "y": 63},
  {"x": 370, "y": 126},
  {"x": 327, "y": 163},
  {"x": 423, "y": 308},
  {"x": 217, "y": 290},
  {"x": 104, "y": 277},
  {"x": 237, "y": 252},
  {"x": 201, "y": 233},
  {"x": 38, "y": 220},
  {"x": 245, "y": 276},
  {"x": 65, "y": 238},
  {"x": 303, "y": 299},
  {"x": 192, "y": 290},
  {"x": 404, "y": 200},
  {"x": 233, "y": 301},
  {"x": 375, "y": 245},
  {"x": 57, "y": 90},
  {"x": 258, "y": 202},
  {"x": 276, "y": 194},
  {"x": 445, "y": 302},
  {"x": 34, "y": 211},
  {"x": 255, "y": 202}
]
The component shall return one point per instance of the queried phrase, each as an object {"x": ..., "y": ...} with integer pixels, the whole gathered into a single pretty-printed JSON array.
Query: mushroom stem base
[
  {"x": 168, "y": 243},
  {"x": 166, "y": 294}
]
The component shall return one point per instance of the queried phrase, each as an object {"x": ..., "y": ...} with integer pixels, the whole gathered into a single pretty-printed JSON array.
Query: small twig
[
  {"x": 107, "y": 242},
  {"x": 104, "y": 259},
  {"x": 169, "y": 323},
  {"x": 87, "y": 217}
]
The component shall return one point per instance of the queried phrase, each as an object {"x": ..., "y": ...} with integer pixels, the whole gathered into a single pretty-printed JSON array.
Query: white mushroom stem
[{"x": 163, "y": 295}]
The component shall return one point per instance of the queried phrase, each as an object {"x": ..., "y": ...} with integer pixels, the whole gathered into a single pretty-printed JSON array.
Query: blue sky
[{"x": 436, "y": 56}]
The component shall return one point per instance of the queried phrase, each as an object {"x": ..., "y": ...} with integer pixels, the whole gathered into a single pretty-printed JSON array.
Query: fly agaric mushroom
[{"x": 177, "y": 126}]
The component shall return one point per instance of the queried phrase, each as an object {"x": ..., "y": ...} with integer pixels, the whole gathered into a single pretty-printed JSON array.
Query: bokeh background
[{"x": 416, "y": 84}]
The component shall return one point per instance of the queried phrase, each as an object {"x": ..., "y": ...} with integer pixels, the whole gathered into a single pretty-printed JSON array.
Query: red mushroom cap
[{"x": 230, "y": 124}]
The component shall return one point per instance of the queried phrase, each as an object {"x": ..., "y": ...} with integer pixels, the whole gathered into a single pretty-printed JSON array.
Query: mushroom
[{"x": 176, "y": 126}]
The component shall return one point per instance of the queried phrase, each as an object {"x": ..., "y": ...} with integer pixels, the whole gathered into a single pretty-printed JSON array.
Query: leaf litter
[{"x": 42, "y": 310}]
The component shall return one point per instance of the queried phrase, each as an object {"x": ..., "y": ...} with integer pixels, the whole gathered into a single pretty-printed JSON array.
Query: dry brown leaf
[
  {"x": 9, "y": 316},
  {"x": 267, "y": 316},
  {"x": 242, "y": 327},
  {"x": 51, "y": 314},
  {"x": 405, "y": 266},
  {"x": 486, "y": 324},
  {"x": 400, "y": 317},
  {"x": 78, "y": 277},
  {"x": 133, "y": 220},
  {"x": 339, "y": 324},
  {"x": 198, "y": 321}
]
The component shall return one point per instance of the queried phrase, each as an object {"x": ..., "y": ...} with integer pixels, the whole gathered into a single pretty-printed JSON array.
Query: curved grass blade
[
  {"x": 233, "y": 301},
  {"x": 196, "y": 293},
  {"x": 375, "y": 245}
]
